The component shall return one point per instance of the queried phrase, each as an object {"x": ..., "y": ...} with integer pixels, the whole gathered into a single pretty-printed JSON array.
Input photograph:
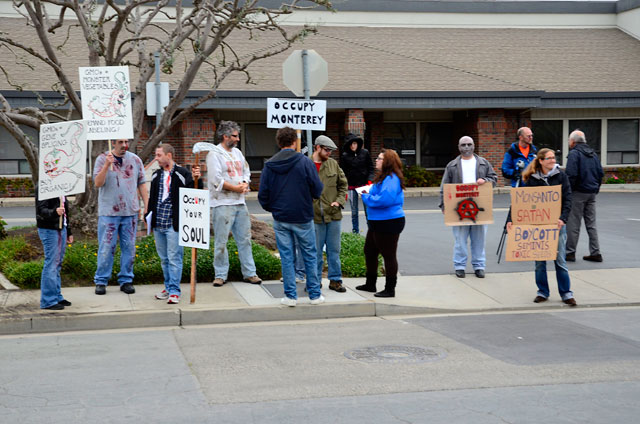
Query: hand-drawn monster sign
[{"x": 109, "y": 106}]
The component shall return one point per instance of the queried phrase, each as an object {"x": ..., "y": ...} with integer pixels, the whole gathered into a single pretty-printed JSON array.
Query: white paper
[
  {"x": 148, "y": 219},
  {"x": 366, "y": 188}
]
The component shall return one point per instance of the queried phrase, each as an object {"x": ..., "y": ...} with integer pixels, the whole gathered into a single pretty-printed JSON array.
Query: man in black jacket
[
  {"x": 358, "y": 168},
  {"x": 163, "y": 205},
  {"x": 585, "y": 175}
]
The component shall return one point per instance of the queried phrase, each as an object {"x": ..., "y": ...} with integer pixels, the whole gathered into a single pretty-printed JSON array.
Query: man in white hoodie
[{"x": 228, "y": 181}]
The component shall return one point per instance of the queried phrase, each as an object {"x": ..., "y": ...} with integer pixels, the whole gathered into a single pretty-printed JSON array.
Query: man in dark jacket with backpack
[
  {"x": 585, "y": 175},
  {"x": 358, "y": 168}
]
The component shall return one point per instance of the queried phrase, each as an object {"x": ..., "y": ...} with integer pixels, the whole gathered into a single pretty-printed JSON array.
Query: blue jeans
[
  {"x": 110, "y": 228},
  {"x": 54, "y": 245},
  {"x": 170, "y": 253},
  {"x": 305, "y": 236},
  {"x": 329, "y": 234},
  {"x": 562, "y": 272},
  {"x": 477, "y": 235},
  {"x": 299, "y": 263},
  {"x": 234, "y": 218},
  {"x": 353, "y": 201}
]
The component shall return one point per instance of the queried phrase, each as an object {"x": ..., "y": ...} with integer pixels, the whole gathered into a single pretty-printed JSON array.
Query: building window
[
  {"x": 13, "y": 160},
  {"x": 592, "y": 129},
  {"x": 437, "y": 146},
  {"x": 401, "y": 137},
  {"x": 622, "y": 141},
  {"x": 259, "y": 144},
  {"x": 548, "y": 134}
]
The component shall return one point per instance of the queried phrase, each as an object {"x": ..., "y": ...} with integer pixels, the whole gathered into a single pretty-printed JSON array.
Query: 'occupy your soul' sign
[{"x": 534, "y": 212}]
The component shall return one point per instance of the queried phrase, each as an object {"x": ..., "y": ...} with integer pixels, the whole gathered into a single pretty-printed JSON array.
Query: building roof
[{"x": 420, "y": 62}]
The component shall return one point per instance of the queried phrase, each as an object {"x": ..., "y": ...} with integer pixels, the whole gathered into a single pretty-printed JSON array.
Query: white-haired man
[{"x": 585, "y": 175}]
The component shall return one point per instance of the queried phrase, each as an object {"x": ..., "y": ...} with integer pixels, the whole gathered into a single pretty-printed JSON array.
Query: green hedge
[{"x": 80, "y": 262}]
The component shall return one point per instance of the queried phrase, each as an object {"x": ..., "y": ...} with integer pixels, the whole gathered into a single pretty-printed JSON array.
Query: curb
[{"x": 61, "y": 322}]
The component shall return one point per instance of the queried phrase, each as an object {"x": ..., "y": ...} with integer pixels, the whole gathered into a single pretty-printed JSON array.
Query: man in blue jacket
[
  {"x": 288, "y": 185},
  {"x": 519, "y": 155},
  {"x": 585, "y": 175}
]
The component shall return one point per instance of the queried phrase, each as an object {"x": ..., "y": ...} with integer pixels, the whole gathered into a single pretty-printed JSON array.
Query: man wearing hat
[{"x": 327, "y": 214}]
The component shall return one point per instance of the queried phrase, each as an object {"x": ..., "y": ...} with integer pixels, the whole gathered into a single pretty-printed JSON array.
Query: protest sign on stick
[
  {"x": 468, "y": 204},
  {"x": 297, "y": 113},
  {"x": 193, "y": 221},
  {"x": 62, "y": 160},
  {"x": 106, "y": 102}
]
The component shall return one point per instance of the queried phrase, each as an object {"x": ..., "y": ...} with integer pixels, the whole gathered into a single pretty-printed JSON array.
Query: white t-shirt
[
  {"x": 226, "y": 166},
  {"x": 468, "y": 170}
]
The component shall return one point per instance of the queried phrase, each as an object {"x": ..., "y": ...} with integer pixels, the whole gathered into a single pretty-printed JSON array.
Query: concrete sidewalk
[{"x": 242, "y": 302}]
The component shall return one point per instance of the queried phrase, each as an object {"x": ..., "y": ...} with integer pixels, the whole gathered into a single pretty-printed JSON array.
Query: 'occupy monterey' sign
[{"x": 297, "y": 113}]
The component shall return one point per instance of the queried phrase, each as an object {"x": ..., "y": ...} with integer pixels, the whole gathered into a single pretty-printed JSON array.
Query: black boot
[
  {"x": 389, "y": 288},
  {"x": 369, "y": 285}
]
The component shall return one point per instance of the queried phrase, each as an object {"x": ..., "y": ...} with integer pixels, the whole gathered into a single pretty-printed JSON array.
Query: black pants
[{"x": 382, "y": 239}]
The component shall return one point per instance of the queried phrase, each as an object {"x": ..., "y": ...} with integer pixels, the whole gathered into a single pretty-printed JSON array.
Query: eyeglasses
[
  {"x": 326, "y": 149},
  {"x": 552, "y": 157}
]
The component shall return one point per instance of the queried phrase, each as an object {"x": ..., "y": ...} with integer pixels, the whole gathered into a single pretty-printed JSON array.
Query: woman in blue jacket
[{"x": 385, "y": 219}]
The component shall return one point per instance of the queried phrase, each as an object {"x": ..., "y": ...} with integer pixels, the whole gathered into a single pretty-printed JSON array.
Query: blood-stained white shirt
[{"x": 230, "y": 167}]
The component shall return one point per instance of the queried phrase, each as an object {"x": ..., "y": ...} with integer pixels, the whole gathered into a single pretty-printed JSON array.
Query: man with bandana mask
[{"x": 468, "y": 168}]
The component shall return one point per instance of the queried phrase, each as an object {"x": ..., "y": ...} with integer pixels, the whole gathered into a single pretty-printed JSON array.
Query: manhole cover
[{"x": 396, "y": 354}]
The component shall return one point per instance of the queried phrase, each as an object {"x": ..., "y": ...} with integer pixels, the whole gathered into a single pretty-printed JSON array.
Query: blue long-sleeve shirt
[{"x": 385, "y": 200}]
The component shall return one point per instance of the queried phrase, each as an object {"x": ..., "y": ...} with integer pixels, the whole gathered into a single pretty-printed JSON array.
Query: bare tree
[{"x": 197, "y": 34}]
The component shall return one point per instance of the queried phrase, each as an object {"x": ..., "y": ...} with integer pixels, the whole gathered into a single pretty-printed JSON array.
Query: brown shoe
[
  {"x": 337, "y": 286},
  {"x": 218, "y": 282},
  {"x": 539, "y": 299},
  {"x": 593, "y": 258},
  {"x": 571, "y": 302},
  {"x": 571, "y": 257},
  {"x": 253, "y": 280}
]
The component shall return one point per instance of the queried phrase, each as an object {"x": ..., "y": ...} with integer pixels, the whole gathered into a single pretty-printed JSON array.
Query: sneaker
[
  {"x": 163, "y": 295},
  {"x": 288, "y": 302},
  {"x": 317, "y": 300},
  {"x": 174, "y": 299},
  {"x": 64, "y": 302},
  {"x": 218, "y": 282},
  {"x": 128, "y": 288},
  {"x": 55, "y": 307},
  {"x": 101, "y": 289},
  {"x": 253, "y": 280}
]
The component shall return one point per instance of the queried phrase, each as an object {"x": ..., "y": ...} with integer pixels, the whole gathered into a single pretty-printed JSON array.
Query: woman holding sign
[
  {"x": 385, "y": 219},
  {"x": 544, "y": 171}
]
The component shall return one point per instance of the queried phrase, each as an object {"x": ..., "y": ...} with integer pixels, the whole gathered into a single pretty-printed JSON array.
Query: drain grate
[{"x": 396, "y": 354}]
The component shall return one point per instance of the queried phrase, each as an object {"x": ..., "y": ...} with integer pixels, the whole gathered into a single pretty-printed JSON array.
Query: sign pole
[
  {"x": 110, "y": 166},
  {"x": 61, "y": 216},
  {"x": 305, "y": 82},
  {"x": 194, "y": 251}
]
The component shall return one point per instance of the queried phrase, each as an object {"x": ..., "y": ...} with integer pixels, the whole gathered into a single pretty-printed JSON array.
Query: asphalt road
[
  {"x": 574, "y": 366},
  {"x": 426, "y": 245}
]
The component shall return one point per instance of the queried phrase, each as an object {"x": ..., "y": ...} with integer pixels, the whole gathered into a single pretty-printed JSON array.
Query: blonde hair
[{"x": 535, "y": 165}]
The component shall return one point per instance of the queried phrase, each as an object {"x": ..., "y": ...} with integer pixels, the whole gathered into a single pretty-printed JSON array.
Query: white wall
[{"x": 629, "y": 22}]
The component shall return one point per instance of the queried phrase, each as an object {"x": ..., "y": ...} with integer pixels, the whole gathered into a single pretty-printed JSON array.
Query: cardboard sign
[
  {"x": 536, "y": 205},
  {"x": 532, "y": 243},
  {"x": 62, "y": 160},
  {"x": 297, "y": 114},
  {"x": 468, "y": 204},
  {"x": 106, "y": 102},
  {"x": 193, "y": 221}
]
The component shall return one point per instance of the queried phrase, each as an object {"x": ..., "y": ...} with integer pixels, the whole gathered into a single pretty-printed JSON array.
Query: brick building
[{"x": 416, "y": 76}]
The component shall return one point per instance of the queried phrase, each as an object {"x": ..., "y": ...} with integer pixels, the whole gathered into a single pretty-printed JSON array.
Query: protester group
[{"x": 306, "y": 196}]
